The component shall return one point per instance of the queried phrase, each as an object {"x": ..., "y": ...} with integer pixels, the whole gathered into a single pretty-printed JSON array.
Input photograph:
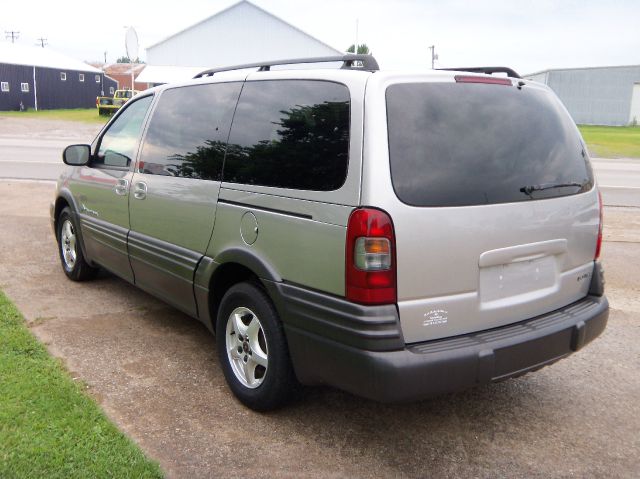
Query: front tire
[
  {"x": 73, "y": 263},
  {"x": 252, "y": 349}
]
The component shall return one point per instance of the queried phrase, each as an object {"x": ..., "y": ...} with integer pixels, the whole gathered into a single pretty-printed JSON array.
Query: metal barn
[
  {"x": 598, "y": 95},
  {"x": 43, "y": 79},
  {"x": 243, "y": 33}
]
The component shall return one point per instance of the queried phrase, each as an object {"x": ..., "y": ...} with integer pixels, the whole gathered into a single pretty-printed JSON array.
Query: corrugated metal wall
[
  {"x": 15, "y": 75},
  {"x": 52, "y": 91},
  {"x": 634, "y": 116},
  {"x": 594, "y": 96}
]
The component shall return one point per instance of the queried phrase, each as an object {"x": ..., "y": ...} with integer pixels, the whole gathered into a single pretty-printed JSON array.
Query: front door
[
  {"x": 102, "y": 190},
  {"x": 175, "y": 188}
]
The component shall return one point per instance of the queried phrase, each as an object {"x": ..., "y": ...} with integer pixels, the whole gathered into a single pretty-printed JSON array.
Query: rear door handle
[
  {"x": 121, "y": 187},
  {"x": 140, "y": 190}
]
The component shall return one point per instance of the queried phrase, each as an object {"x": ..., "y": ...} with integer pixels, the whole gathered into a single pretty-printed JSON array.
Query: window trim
[
  {"x": 97, "y": 78},
  {"x": 81, "y": 77},
  {"x": 63, "y": 76},
  {"x": 112, "y": 90},
  {"x": 5, "y": 87},
  {"x": 24, "y": 87}
]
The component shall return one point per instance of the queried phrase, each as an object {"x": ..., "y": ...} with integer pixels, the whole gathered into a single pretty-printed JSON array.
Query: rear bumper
[{"x": 426, "y": 369}]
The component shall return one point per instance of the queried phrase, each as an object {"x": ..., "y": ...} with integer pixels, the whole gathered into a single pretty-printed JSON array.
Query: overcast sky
[{"x": 527, "y": 35}]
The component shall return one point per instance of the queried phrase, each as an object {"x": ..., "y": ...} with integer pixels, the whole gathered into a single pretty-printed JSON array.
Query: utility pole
[
  {"x": 105, "y": 57},
  {"x": 42, "y": 42},
  {"x": 434, "y": 56},
  {"x": 11, "y": 34}
]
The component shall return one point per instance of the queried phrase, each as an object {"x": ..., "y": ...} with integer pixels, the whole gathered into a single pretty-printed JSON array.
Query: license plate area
[{"x": 517, "y": 279}]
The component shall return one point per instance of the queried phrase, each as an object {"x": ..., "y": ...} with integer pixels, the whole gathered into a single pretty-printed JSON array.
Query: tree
[{"x": 363, "y": 49}]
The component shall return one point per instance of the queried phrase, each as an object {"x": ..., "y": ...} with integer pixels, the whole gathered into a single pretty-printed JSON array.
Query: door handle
[
  {"x": 140, "y": 190},
  {"x": 121, "y": 187}
]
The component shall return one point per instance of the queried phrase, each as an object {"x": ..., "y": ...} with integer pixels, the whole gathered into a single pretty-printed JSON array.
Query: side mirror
[{"x": 76, "y": 155}]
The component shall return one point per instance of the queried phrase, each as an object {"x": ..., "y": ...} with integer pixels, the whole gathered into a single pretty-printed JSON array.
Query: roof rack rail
[
  {"x": 367, "y": 62},
  {"x": 488, "y": 70}
]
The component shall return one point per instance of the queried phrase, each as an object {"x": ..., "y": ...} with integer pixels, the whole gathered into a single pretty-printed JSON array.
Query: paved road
[
  {"x": 619, "y": 181},
  {"x": 40, "y": 158}
]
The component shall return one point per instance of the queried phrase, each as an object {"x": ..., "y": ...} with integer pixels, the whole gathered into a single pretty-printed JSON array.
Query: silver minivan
[{"x": 395, "y": 235}]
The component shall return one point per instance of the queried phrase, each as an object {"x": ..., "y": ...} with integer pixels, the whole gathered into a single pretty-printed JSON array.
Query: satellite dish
[{"x": 131, "y": 44}]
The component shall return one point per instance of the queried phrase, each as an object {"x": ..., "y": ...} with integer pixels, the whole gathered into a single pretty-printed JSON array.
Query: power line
[
  {"x": 42, "y": 42},
  {"x": 11, "y": 34}
]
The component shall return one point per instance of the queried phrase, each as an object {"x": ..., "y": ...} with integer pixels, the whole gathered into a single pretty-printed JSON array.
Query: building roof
[
  {"x": 234, "y": 6},
  {"x": 17, "y": 54},
  {"x": 123, "y": 68}
]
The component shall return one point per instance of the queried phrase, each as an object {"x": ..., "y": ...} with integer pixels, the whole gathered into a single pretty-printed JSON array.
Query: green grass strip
[
  {"x": 85, "y": 115},
  {"x": 612, "y": 141},
  {"x": 48, "y": 426}
]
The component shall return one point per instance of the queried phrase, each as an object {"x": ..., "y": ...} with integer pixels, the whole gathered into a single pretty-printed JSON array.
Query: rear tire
[
  {"x": 73, "y": 263},
  {"x": 253, "y": 350}
]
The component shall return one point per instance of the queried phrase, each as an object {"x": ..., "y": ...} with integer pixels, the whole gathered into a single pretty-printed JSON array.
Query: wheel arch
[
  {"x": 214, "y": 277},
  {"x": 60, "y": 204},
  {"x": 65, "y": 199}
]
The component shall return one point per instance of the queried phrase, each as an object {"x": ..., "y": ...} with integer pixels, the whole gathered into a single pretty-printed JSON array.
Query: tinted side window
[
  {"x": 290, "y": 134},
  {"x": 188, "y": 131},
  {"x": 119, "y": 144}
]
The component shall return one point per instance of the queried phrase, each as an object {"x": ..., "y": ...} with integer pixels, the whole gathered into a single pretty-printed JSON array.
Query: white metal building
[
  {"x": 242, "y": 33},
  {"x": 598, "y": 95}
]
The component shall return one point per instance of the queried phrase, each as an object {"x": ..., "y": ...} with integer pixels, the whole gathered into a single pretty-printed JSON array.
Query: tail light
[
  {"x": 370, "y": 258},
  {"x": 480, "y": 79},
  {"x": 599, "y": 242}
]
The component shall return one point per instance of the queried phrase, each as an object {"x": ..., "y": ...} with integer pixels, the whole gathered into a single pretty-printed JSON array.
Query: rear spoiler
[{"x": 487, "y": 70}]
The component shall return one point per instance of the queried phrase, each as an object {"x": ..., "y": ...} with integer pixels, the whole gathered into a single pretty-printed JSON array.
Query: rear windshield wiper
[{"x": 527, "y": 190}]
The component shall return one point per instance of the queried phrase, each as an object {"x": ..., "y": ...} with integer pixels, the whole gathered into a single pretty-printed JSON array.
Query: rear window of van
[{"x": 457, "y": 144}]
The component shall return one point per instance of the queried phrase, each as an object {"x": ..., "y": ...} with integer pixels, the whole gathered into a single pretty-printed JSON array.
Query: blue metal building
[{"x": 43, "y": 79}]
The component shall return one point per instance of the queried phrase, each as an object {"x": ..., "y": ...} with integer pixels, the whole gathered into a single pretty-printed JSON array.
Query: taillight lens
[
  {"x": 370, "y": 258},
  {"x": 599, "y": 242}
]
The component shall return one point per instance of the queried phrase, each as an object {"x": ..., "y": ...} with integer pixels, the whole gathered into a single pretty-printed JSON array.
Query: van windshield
[{"x": 457, "y": 144}]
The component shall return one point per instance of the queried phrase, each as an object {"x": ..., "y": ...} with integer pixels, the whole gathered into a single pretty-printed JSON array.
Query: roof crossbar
[
  {"x": 488, "y": 70},
  {"x": 365, "y": 62}
]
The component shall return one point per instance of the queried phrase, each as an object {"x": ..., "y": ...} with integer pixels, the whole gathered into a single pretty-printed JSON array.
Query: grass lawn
[
  {"x": 86, "y": 115},
  {"x": 612, "y": 141},
  {"x": 48, "y": 426}
]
